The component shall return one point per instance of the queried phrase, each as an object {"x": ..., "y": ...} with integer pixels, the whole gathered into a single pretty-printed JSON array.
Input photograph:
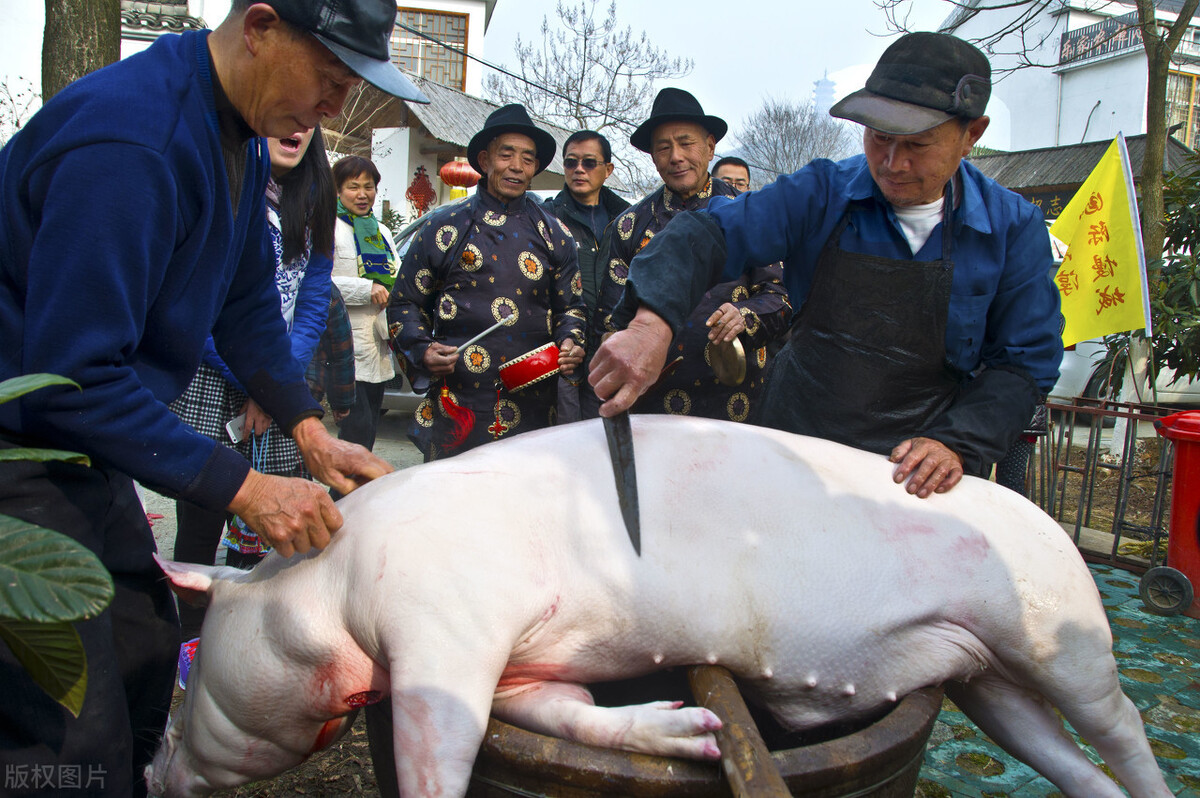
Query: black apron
[{"x": 866, "y": 361}]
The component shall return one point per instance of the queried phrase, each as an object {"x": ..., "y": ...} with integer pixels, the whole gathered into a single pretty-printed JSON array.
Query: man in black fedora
[
  {"x": 497, "y": 257},
  {"x": 134, "y": 227},
  {"x": 927, "y": 320},
  {"x": 751, "y": 308}
]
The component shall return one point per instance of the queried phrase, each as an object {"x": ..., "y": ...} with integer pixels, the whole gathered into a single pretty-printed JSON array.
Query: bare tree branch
[
  {"x": 18, "y": 102},
  {"x": 589, "y": 73},
  {"x": 784, "y": 135}
]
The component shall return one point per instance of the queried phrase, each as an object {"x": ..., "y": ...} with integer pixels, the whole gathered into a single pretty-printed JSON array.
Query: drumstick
[{"x": 502, "y": 323}]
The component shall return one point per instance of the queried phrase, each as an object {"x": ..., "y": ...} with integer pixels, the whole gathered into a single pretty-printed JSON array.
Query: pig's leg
[
  {"x": 566, "y": 710},
  {"x": 1022, "y": 723}
]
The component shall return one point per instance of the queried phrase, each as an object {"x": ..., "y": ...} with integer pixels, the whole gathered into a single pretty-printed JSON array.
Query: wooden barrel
[{"x": 882, "y": 759}]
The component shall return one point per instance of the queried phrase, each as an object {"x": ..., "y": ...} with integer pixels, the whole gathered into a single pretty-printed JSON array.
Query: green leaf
[
  {"x": 18, "y": 386},
  {"x": 53, "y": 655},
  {"x": 46, "y": 576},
  {"x": 43, "y": 455}
]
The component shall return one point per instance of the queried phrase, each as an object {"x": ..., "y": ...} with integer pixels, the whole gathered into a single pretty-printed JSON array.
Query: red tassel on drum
[{"x": 463, "y": 418}]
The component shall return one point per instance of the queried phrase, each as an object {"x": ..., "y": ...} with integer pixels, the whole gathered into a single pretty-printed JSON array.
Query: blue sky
[{"x": 745, "y": 51}]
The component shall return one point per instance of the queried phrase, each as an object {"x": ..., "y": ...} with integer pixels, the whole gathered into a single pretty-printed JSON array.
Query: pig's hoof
[{"x": 665, "y": 728}]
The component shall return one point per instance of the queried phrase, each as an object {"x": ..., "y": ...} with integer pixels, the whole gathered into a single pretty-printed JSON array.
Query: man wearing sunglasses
[
  {"x": 733, "y": 172},
  {"x": 585, "y": 206}
]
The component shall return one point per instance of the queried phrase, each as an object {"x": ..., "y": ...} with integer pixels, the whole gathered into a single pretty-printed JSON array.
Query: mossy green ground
[{"x": 1159, "y": 662}]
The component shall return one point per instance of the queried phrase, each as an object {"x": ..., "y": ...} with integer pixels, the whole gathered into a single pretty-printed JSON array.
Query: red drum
[{"x": 533, "y": 366}]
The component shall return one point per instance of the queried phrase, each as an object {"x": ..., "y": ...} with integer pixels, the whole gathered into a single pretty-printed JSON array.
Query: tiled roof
[{"x": 1068, "y": 165}]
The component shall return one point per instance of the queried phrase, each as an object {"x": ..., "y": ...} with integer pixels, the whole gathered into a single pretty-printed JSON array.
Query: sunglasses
[{"x": 588, "y": 163}]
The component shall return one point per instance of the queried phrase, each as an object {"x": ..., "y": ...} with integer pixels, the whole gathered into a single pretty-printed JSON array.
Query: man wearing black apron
[{"x": 927, "y": 322}]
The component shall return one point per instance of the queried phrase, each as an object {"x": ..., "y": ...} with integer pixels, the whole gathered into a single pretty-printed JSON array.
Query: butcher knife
[{"x": 620, "y": 449}]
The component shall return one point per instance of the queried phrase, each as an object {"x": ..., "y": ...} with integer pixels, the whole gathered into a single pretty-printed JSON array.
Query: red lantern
[{"x": 458, "y": 173}]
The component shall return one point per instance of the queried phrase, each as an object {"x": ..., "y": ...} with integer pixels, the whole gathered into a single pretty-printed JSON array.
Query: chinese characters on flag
[{"x": 1102, "y": 279}]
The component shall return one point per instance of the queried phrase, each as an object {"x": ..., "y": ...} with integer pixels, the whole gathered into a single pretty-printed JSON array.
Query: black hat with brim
[
  {"x": 921, "y": 81},
  {"x": 511, "y": 118},
  {"x": 676, "y": 105},
  {"x": 357, "y": 32}
]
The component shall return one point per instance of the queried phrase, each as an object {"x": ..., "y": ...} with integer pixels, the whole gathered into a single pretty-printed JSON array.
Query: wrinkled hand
[
  {"x": 570, "y": 356},
  {"x": 292, "y": 515},
  {"x": 341, "y": 465},
  {"x": 725, "y": 324},
  {"x": 379, "y": 294},
  {"x": 439, "y": 359},
  {"x": 256, "y": 418},
  {"x": 629, "y": 361},
  {"x": 933, "y": 466}
]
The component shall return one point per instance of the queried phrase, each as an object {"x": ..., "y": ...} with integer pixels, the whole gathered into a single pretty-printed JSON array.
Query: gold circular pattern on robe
[
  {"x": 577, "y": 285},
  {"x": 494, "y": 219},
  {"x": 738, "y": 407},
  {"x": 739, "y": 294},
  {"x": 646, "y": 236},
  {"x": 509, "y": 413},
  {"x": 447, "y": 307},
  {"x": 760, "y": 357},
  {"x": 424, "y": 281},
  {"x": 566, "y": 230},
  {"x": 751, "y": 320},
  {"x": 615, "y": 268},
  {"x": 677, "y": 402},
  {"x": 502, "y": 303},
  {"x": 445, "y": 237},
  {"x": 471, "y": 258},
  {"x": 424, "y": 413},
  {"x": 531, "y": 266},
  {"x": 625, "y": 225},
  {"x": 476, "y": 359},
  {"x": 544, "y": 232}
]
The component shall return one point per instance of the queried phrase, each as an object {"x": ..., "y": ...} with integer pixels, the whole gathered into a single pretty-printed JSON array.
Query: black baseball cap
[
  {"x": 357, "y": 32},
  {"x": 921, "y": 80}
]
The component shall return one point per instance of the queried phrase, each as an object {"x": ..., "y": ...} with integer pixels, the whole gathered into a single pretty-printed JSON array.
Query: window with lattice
[
  {"x": 1182, "y": 102},
  {"x": 419, "y": 55}
]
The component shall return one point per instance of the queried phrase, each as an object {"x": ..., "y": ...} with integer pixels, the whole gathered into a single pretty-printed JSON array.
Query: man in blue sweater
[
  {"x": 132, "y": 225},
  {"x": 927, "y": 322}
]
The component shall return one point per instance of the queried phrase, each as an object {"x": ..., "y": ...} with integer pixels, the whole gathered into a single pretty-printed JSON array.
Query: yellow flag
[{"x": 1102, "y": 279}]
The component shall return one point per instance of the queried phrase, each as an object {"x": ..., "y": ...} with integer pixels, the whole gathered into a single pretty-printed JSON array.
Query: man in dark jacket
[
  {"x": 585, "y": 206},
  {"x": 927, "y": 319}
]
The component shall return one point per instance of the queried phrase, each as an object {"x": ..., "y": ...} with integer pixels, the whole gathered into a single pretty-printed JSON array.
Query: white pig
[{"x": 503, "y": 580}]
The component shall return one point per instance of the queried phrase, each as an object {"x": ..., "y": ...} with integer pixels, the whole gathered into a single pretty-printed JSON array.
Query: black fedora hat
[
  {"x": 922, "y": 80},
  {"x": 357, "y": 32},
  {"x": 512, "y": 118},
  {"x": 675, "y": 105}
]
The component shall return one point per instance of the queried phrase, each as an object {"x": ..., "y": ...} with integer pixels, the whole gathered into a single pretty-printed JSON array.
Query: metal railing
[{"x": 1106, "y": 496}]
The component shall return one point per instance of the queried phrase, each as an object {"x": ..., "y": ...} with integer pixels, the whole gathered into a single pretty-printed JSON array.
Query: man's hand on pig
[
  {"x": 341, "y": 465},
  {"x": 292, "y": 515},
  {"x": 629, "y": 361}
]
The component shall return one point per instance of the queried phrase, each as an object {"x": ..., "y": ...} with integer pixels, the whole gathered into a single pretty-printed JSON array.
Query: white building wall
[
  {"x": 1048, "y": 107},
  {"x": 1118, "y": 85}
]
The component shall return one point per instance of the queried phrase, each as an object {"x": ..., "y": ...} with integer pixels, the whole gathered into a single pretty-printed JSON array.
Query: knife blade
[{"x": 620, "y": 449}]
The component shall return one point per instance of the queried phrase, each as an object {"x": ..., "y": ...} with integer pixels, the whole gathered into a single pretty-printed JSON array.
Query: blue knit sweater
[{"x": 120, "y": 254}]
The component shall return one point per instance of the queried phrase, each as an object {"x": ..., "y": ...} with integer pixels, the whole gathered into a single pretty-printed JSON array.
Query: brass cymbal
[{"x": 729, "y": 362}]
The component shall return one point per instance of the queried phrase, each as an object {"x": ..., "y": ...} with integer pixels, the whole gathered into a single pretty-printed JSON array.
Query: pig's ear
[{"x": 193, "y": 583}]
